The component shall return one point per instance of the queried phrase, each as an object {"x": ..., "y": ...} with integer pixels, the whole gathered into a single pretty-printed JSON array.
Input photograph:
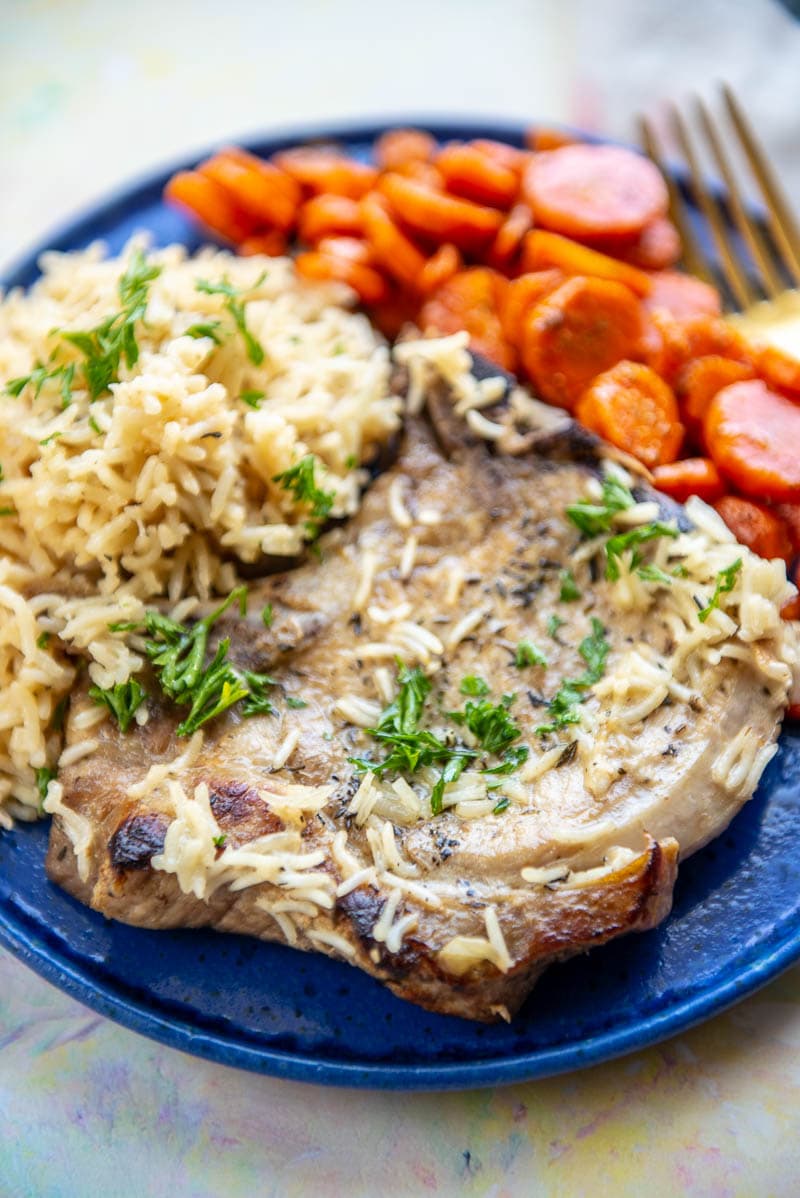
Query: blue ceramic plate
[{"x": 735, "y": 922}]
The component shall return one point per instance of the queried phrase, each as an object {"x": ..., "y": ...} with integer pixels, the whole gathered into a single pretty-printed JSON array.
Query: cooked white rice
[{"x": 153, "y": 488}]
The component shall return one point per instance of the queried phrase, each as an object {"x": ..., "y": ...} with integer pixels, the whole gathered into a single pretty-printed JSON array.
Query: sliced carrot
[
  {"x": 752, "y": 434},
  {"x": 391, "y": 315},
  {"x": 701, "y": 379},
  {"x": 579, "y": 330},
  {"x": 781, "y": 370},
  {"x": 395, "y": 252},
  {"x": 657, "y": 247},
  {"x": 790, "y": 514},
  {"x": 510, "y": 237},
  {"x": 594, "y": 191},
  {"x": 542, "y": 249},
  {"x": 634, "y": 409},
  {"x": 470, "y": 173},
  {"x": 355, "y": 249},
  {"x": 692, "y": 476},
  {"x": 327, "y": 216},
  {"x": 542, "y": 138},
  {"x": 471, "y": 300},
  {"x": 711, "y": 335},
  {"x": 423, "y": 172},
  {"x": 277, "y": 177},
  {"x": 440, "y": 217},
  {"x": 322, "y": 169},
  {"x": 210, "y": 204},
  {"x": 682, "y": 295},
  {"x": 791, "y": 611},
  {"x": 273, "y": 244},
  {"x": 367, "y": 283},
  {"x": 440, "y": 267},
  {"x": 395, "y": 148},
  {"x": 508, "y": 156},
  {"x": 755, "y": 526},
  {"x": 522, "y": 294},
  {"x": 259, "y": 189}
]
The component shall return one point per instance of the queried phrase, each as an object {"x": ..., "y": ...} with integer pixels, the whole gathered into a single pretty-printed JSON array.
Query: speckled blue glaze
[{"x": 735, "y": 922}]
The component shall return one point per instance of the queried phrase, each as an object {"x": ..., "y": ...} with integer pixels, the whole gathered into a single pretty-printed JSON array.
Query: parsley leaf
[
  {"x": 39, "y": 376},
  {"x": 252, "y": 398},
  {"x": 594, "y": 650},
  {"x": 219, "y": 841},
  {"x": 563, "y": 707},
  {"x": 570, "y": 591},
  {"x": 653, "y": 574},
  {"x": 42, "y": 639},
  {"x": 236, "y": 306},
  {"x": 267, "y": 615},
  {"x": 501, "y": 806},
  {"x": 122, "y": 700},
  {"x": 594, "y": 518},
  {"x": 528, "y": 654},
  {"x": 299, "y": 479},
  {"x": 472, "y": 684},
  {"x": 624, "y": 541},
  {"x": 726, "y": 581},
  {"x": 489, "y": 723},
  {"x": 295, "y": 703},
  {"x": 513, "y": 758},
  {"x": 209, "y": 328},
  {"x": 44, "y": 776},
  {"x": 553, "y": 624}
]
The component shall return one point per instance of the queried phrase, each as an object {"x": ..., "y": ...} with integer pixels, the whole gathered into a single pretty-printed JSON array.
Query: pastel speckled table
[{"x": 98, "y": 91}]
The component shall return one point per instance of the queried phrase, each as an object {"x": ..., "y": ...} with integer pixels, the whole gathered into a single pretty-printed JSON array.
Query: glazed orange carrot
[
  {"x": 391, "y": 315},
  {"x": 542, "y": 138},
  {"x": 471, "y": 300},
  {"x": 440, "y": 267},
  {"x": 755, "y": 525},
  {"x": 277, "y": 177},
  {"x": 355, "y": 249},
  {"x": 594, "y": 191},
  {"x": 779, "y": 369},
  {"x": 257, "y": 188},
  {"x": 791, "y": 611},
  {"x": 325, "y": 170},
  {"x": 398, "y": 147},
  {"x": 657, "y": 247},
  {"x": 440, "y": 217},
  {"x": 273, "y": 244},
  {"x": 634, "y": 409},
  {"x": 752, "y": 433},
  {"x": 423, "y": 172},
  {"x": 209, "y": 203},
  {"x": 579, "y": 330},
  {"x": 682, "y": 295},
  {"x": 711, "y": 335},
  {"x": 790, "y": 514},
  {"x": 329, "y": 215},
  {"x": 366, "y": 282},
  {"x": 470, "y": 173},
  {"x": 509, "y": 239},
  {"x": 701, "y": 379},
  {"x": 522, "y": 294},
  {"x": 392, "y": 249},
  {"x": 508, "y": 156},
  {"x": 691, "y": 476},
  {"x": 542, "y": 249}
]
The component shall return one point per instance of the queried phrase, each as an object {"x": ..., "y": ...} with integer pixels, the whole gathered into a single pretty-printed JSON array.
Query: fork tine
[
  {"x": 708, "y": 204},
  {"x": 744, "y": 223},
  {"x": 692, "y": 257},
  {"x": 782, "y": 222}
]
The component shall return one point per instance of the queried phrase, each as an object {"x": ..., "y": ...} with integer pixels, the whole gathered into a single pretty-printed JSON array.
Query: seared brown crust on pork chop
[{"x": 451, "y": 562}]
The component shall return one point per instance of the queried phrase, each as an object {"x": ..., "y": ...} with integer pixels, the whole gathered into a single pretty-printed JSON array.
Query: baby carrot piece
[
  {"x": 634, "y": 409},
  {"x": 395, "y": 252},
  {"x": 470, "y": 173},
  {"x": 522, "y": 294},
  {"x": 471, "y": 300},
  {"x": 258, "y": 190},
  {"x": 752, "y": 433},
  {"x": 781, "y": 370},
  {"x": 499, "y": 151},
  {"x": 657, "y": 247},
  {"x": 756, "y": 526},
  {"x": 790, "y": 514},
  {"x": 328, "y": 215},
  {"x": 440, "y": 217},
  {"x": 396, "y": 148},
  {"x": 692, "y": 476},
  {"x": 586, "y": 191},
  {"x": 366, "y": 282},
  {"x": 210, "y": 204},
  {"x": 700, "y": 381},
  {"x": 323, "y": 170},
  {"x": 510, "y": 237},
  {"x": 440, "y": 267},
  {"x": 273, "y": 244},
  {"x": 576, "y": 332},
  {"x": 541, "y": 250}
]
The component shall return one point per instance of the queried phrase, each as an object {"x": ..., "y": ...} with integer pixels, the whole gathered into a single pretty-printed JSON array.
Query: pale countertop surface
[{"x": 93, "y": 93}]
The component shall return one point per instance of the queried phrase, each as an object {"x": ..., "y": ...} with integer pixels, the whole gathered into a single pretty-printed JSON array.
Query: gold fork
[{"x": 768, "y": 269}]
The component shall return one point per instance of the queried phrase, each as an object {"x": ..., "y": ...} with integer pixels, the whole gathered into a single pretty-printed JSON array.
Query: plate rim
[{"x": 54, "y": 964}]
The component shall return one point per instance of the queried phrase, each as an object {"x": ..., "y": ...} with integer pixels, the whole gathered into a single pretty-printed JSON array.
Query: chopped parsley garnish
[
  {"x": 219, "y": 841},
  {"x": 236, "y": 306},
  {"x": 267, "y": 615},
  {"x": 43, "y": 374},
  {"x": 299, "y": 479},
  {"x": 49, "y": 440},
  {"x": 44, "y": 776},
  {"x": 513, "y": 758},
  {"x": 252, "y": 398},
  {"x": 489, "y": 723},
  {"x": 726, "y": 581},
  {"x": 563, "y": 707},
  {"x": 209, "y": 328},
  {"x": 595, "y": 518},
  {"x": 474, "y": 685},
  {"x": 553, "y": 624},
  {"x": 114, "y": 339},
  {"x": 570, "y": 591},
  {"x": 122, "y": 700},
  {"x": 42, "y": 640},
  {"x": 95, "y": 427},
  {"x": 350, "y": 462},
  {"x": 59, "y": 711},
  {"x": 501, "y": 806},
  {"x": 653, "y": 574},
  {"x": 293, "y": 702},
  {"x": 528, "y": 654},
  {"x": 8, "y": 511},
  {"x": 624, "y": 541}
]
